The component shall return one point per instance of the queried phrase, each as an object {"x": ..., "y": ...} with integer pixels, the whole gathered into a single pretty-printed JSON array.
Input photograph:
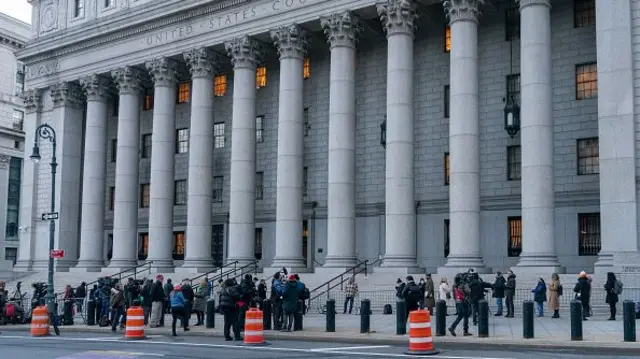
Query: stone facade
[{"x": 315, "y": 157}]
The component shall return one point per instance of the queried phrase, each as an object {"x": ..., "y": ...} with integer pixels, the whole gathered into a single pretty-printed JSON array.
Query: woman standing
[
  {"x": 445, "y": 292},
  {"x": 178, "y": 310},
  {"x": 612, "y": 296},
  {"x": 429, "y": 294},
  {"x": 540, "y": 296},
  {"x": 555, "y": 290},
  {"x": 200, "y": 302}
]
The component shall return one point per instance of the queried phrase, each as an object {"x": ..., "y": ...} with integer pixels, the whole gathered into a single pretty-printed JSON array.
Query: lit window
[
  {"x": 446, "y": 169},
  {"x": 257, "y": 244},
  {"x": 586, "y": 81},
  {"x": 220, "y": 85},
  {"x": 447, "y": 244},
  {"x": 180, "y": 193},
  {"x": 588, "y": 156},
  {"x": 447, "y": 38},
  {"x": 589, "y": 236},
  {"x": 78, "y": 8},
  {"x": 514, "y": 163},
  {"x": 260, "y": 129},
  {"x": 182, "y": 140},
  {"x": 259, "y": 185},
  {"x": 306, "y": 68},
  {"x": 148, "y": 100},
  {"x": 512, "y": 23},
  {"x": 183, "y": 92},
  {"x": 112, "y": 198},
  {"x": 218, "y": 135},
  {"x": 305, "y": 117},
  {"x": 261, "y": 77},
  {"x": 146, "y": 146},
  {"x": 446, "y": 101},
  {"x": 305, "y": 181},
  {"x": 145, "y": 195},
  {"x": 218, "y": 183},
  {"x": 515, "y": 237},
  {"x": 584, "y": 13},
  {"x": 143, "y": 246},
  {"x": 179, "y": 242}
]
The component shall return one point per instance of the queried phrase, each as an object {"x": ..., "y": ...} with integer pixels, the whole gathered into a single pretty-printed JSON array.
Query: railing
[
  {"x": 134, "y": 271},
  {"x": 339, "y": 280},
  {"x": 206, "y": 275},
  {"x": 231, "y": 273}
]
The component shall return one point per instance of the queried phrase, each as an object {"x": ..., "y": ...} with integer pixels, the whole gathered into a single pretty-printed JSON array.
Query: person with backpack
[
  {"x": 412, "y": 295},
  {"x": 583, "y": 292},
  {"x": 461, "y": 293},
  {"x": 276, "y": 299},
  {"x": 613, "y": 287},
  {"x": 555, "y": 291}
]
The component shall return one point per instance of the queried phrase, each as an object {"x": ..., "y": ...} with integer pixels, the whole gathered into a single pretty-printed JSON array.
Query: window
[
  {"x": 145, "y": 195},
  {"x": 446, "y": 169},
  {"x": 182, "y": 140},
  {"x": 305, "y": 181},
  {"x": 218, "y": 182},
  {"x": 18, "y": 119},
  {"x": 512, "y": 23},
  {"x": 586, "y": 81},
  {"x": 515, "y": 236},
  {"x": 183, "y": 92},
  {"x": 148, "y": 100},
  {"x": 306, "y": 68},
  {"x": 261, "y": 77},
  {"x": 584, "y": 13},
  {"x": 143, "y": 246},
  {"x": 78, "y": 8},
  {"x": 109, "y": 3},
  {"x": 257, "y": 244},
  {"x": 220, "y": 85},
  {"x": 305, "y": 241},
  {"x": 514, "y": 163},
  {"x": 114, "y": 149},
  {"x": 11, "y": 254},
  {"x": 13, "y": 197},
  {"x": 589, "y": 240},
  {"x": 146, "y": 145},
  {"x": 179, "y": 241},
  {"x": 305, "y": 118},
  {"x": 259, "y": 185},
  {"x": 112, "y": 198},
  {"x": 588, "y": 156},
  {"x": 446, "y": 101},
  {"x": 218, "y": 135},
  {"x": 447, "y": 38},
  {"x": 180, "y": 193},
  {"x": 513, "y": 87},
  {"x": 20, "y": 79},
  {"x": 446, "y": 238},
  {"x": 260, "y": 129}
]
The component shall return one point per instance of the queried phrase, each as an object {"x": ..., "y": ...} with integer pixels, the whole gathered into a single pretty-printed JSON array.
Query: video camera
[
  {"x": 39, "y": 293},
  {"x": 107, "y": 282}
]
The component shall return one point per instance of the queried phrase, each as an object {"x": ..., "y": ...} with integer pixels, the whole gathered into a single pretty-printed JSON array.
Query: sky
[{"x": 20, "y": 9}]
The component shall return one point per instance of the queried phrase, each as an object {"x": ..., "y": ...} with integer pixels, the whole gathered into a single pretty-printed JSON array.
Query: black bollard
[
  {"x": 331, "y": 315},
  {"x": 91, "y": 312},
  {"x": 266, "y": 314},
  {"x": 441, "y": 318},
  {"x": 576, "y": 320},
  {"x": 483, "y": 319},
  {"x": 629, "y": 320},
  {"x": 211, "y": 314},
  {"x": 298, "y": 317},
  {"x": 365, "y": 316},
  {"x": 527, "y": 319},
  {"x": 401, "y": 317}
]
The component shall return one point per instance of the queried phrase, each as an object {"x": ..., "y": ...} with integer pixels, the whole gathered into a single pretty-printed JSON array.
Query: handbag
[{"x": 448, "y": 295}]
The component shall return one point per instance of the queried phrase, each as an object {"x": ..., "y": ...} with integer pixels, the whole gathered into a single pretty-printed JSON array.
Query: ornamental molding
[
  {"x": 43, "y": 69},
  {"x": 398, "y": 16},
  {"x": 96, "y": 87},
  {"x": 463, "y": 10},
  {"x": 245, "y": 52},
  {"x": 32, "y": 100},
  {"x": 525, "y": 3},
  {"x": 163, "y": 72},
  {"x": 4, "y": 162},
  {"x": 67, "y": 94},
  {"x": 49, "y": 16},
  {"x": 341, "y": 29},
  {"x": 128, "y": 80},
  {"x": 291, "y": 41},
  {"x": 202, "y": 62}
]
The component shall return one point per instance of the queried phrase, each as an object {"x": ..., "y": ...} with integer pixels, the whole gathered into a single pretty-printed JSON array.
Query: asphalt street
[{"x": 89, "y": 346}]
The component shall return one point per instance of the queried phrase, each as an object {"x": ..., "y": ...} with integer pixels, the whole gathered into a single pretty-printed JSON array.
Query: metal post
[
  {"x": 401, "y": 317},
  {"x": 483, "y": 319},
  {"x": 365, "y": 316},
  {"x": 266, "y": 314},
  {"x": 298, "y": 317},
  {"x": 91, "y": 312},
  {"x": 441, "y": 318},
  {"x": 629, "y": 320},
  {"x": 527, "y": 319},
  {"x": 331, "y": 315},
  {"x": 576, "y": 320},
  {"x": 211, "y": 314}
]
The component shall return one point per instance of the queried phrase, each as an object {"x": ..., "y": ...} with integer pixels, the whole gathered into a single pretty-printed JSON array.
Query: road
[{"x": 89, "y": 346}]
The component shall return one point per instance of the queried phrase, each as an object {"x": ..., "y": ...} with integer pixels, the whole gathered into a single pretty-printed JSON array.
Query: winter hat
[
  {"x": 160, "y": 277},
  {"x": 292, "y": 277},
  {"x": 177, "y": 287}
]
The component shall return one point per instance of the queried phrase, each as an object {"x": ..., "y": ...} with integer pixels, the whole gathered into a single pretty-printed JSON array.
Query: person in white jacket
[{"x": 444, "y": 292}]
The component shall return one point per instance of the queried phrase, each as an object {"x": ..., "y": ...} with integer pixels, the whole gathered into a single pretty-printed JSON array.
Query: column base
[
  {"x": 196, "y": 265},
  {"x": 400, "y": 261},
  {"x": 85, "y": 266},
  {"x": 462, "y": 263},
  {"x": 288, "y": 263},
  {"x": 123, "y": 264},
  {"x": 340, "y": 262},
  {"x": 23, "y": 266},
  {"x": 604, "y": 263},
  {"x": 161, "y": 265},
  {"x": 39, "y": 265},
  {"x": 542, "y": 264},
  {"x": 6, "y": 265}
]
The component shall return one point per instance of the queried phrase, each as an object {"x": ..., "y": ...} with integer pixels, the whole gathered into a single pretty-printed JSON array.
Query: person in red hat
[{"x": 290, "y": 298}]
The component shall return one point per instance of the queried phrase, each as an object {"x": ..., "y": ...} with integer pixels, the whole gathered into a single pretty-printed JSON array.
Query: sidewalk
[{"x": 503, "y": 332}]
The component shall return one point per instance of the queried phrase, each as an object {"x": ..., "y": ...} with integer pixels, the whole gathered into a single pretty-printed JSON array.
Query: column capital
[
  {"x": 163, "y": 71},
  {"x": 128, "y": 80},
  {"x": 244, "y": 52},
  {"x": 32, "y": 100},
  {"x": 68, "y": 94},
  {"x": 291, "y": 41},
  {"x": 462, "y": 10},
  {"x": 525, "y": 3},
  {"x": 96, "y": 87},
  {"x": 398, "y": 16},
  {"x": 341, "y": 29},
  {"x": 201, "y": 62}
]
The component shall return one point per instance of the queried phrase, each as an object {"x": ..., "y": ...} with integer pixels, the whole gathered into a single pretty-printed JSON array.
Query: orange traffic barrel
[
  {"x": 253, "y": 330},
  {"x": 40, "y": 322},
  {"x": 420, "y": 339},
  {"x": 135, "y": 324}
]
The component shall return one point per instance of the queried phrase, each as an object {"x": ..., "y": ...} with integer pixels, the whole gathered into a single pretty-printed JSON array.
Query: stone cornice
[
  {"x": 341, "y": 29},
  {"x": 201, "y": 62},
  {"x": 291, "y": 41},
  {"x": 128, "y": 80},
  {"x": 245, "y": 52},
  {"x": 398, "y": 16},
  {"x": 462, "y": 10},
  {"x": 96, "y": 87},
  {"x": 32, "y": 100},
  {"x": 525, "y": 3},
  {"x": 67, "y": 94},
  {"x": 163, "y": 72}
]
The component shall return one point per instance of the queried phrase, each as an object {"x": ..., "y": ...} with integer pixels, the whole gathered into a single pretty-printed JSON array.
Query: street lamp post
[{"x": 46, "y": 132}]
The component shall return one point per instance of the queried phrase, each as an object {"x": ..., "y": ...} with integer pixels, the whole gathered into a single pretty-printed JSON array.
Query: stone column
[
  {"x": 125, "y": 213},
  {"x": 94, "y": 172},
  {"x": 28, "y": 197},
  {"x": 163, "y": 147},
  {"x": 291, "y": 42},
  {"x": 536, "y": 136},
  {"x": 245, "y": 53},
  {"x": 399, "y": 20},
  {"x": 464, "y": 123},
  {"x": 200, "y": 183},
  {"x": 342, "y": 30}
]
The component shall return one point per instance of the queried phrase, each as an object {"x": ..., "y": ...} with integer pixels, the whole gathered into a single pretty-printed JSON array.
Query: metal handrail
[
  {"x": 146, "y": 264},
  {"x": 206, "y": 275},
  {"x": 327, "y": 286},
  {"x": 232, "y": 273}
]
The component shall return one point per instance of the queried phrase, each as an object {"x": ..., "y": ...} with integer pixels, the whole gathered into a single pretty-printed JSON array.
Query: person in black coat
[
  {"x": 230, "y": 295},
  {"x": 262, "y": 293},
  {"x": 477, "y": 287},
  {"x": 498, "y": 292},
  {"x": 399, "y": 288},
  {"x": 145, "y": 293},
  {"x": 612, "y": 297},
  {"x": 509, "y": 293},
  {"x": 189, "y": 296},
  {"x": 583, "y": 291}
]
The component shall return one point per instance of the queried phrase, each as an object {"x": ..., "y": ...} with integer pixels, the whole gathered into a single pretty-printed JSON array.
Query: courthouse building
[{"x": 419, "y": 134}]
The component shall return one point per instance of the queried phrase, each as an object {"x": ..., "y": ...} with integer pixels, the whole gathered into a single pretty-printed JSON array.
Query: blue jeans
[
  {"x": 540, "y": 308},
  {"x": 499, "y": 304}
]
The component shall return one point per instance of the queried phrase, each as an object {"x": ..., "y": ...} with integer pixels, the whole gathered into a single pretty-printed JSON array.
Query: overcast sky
[{"x": 20, "y": 9}]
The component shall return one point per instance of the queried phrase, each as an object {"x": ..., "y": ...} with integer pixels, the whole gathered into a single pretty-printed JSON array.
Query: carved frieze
[
  {"x": 128, "y": 80},
  {"x": 32, "y": 100},
  {"x": 49, "y": 16},
  {"x": 341, "y": 29},
  {"x": 43, "y": 69},
  {"x": 291, "y": 41},
  {"x": 398, "y": 16},
  {"x": 162, "y": 71},
  {"x": 68, "y": 94},
  {"x": 244, "y": 52},
  {"x": 463, "y": 10},
  {"x": 4, "y": 162},
  {"x": 201, "y": 62},
  {"x": 96, "y": 87}
]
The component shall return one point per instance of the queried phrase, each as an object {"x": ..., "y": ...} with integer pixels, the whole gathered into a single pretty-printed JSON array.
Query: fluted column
[
  {"x": 291, "y": 42},
  {"x": 245, "y": 53},
  {"x": 399, "y": 19},
  {"x": 464, "y": 124},
  {"x": 125, "y": 214},
  {"x": 200, "y": 183},
  {"x": 342, "y": 30},
  {"x": 536, "y": 126},
  {"x": 96, "y": 88},
  {"x": 163, "y": 146}
]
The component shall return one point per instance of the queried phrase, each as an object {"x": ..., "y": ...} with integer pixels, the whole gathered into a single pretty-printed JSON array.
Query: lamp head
[{"x": 35, "y": 154}]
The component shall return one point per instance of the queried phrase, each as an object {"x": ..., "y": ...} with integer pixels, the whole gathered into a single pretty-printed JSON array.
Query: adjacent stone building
[{"x": 319, "y": 133}]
